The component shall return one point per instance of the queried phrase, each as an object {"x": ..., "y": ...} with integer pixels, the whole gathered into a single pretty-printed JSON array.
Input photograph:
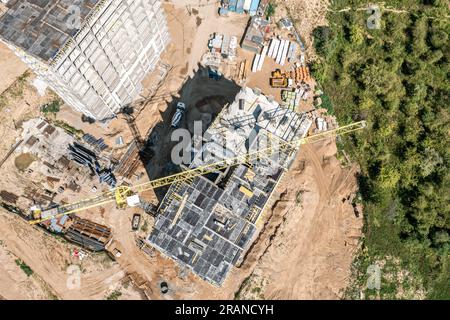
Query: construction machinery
[
  {"x": 279, "y": 79},
  {"x": 124, "y": 196},
  {"x": 279, "y": 82},
  {"x": 285, "y": 79}
]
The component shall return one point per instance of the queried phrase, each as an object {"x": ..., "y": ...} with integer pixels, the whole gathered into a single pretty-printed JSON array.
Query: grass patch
[
  {"x": 115, "y": 295},
  {"x": 15, "y": 90},
  {"x": 237, "y": 294},
  {"x": 270, "y": 11},
  {"x": 51, "y": 107},
  {"x": 25, "y": 268},
  {"x": 144, "y": 227},
  {"x": 68, "y": 128},
  {"x": 326, "y": 104}
]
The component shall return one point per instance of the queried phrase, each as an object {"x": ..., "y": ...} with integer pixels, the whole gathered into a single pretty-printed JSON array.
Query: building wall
[{"x": 102, "y": 68}]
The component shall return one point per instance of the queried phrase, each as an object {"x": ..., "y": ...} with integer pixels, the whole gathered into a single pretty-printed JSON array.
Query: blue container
[
  {"x": 254, "y": 7},
  {"x": 232, "y": 5},
  {"x": 240, "y": 6}
]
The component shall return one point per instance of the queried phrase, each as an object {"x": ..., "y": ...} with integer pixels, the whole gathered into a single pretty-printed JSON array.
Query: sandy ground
[
  {"x": 317, "y": 234},
  {"x": 10, "y": 67},
  {"x": 50, "y": 258},
  {"x": 307, "y": 15},
  {"x": 306, "y": 244}
]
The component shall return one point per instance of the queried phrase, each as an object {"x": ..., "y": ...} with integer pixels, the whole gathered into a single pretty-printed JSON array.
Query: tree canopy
[{"x": 397, "y": 78}]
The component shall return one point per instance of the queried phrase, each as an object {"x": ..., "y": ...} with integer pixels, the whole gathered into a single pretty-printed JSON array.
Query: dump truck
[{"x": 176, "y": 120}]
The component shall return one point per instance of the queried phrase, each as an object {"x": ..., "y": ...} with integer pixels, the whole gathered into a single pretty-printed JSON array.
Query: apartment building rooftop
[
  {"x": 207, "y": 224},
  {"x": 42, "y": 27}
]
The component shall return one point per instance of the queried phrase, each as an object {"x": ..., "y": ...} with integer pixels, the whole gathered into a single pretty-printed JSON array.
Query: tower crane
[{"x": 121, "y": 194}]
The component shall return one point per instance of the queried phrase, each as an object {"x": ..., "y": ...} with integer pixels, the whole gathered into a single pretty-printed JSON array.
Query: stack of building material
[
  {"x": 262, "y": 57},
  {"x": 291, "y": 99},
  {"x": 88, "y": 158},
  {"x": 88, "y": 234},
  {"x": 8, "y": 197},
  {"x": 232, "y": 47},
  {"x": 216, "y": 43},
  {"x": 225, "y": 47},
  {"x": 256, "y": 62},
  {"x": 301, "y": 74},
  {"x": 94, "y": 142},
  {"x": 129, "y": 162},
  {"x": 291, "y": 51}
]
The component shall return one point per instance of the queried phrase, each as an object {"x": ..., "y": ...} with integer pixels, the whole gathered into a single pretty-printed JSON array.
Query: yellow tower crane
[{"x": 120, "y": 194}]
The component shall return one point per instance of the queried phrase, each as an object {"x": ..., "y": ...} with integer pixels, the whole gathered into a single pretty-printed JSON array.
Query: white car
[{"x": 176, "y": 120}]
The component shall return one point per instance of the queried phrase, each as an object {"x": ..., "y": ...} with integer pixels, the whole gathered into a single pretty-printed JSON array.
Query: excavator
[{"x": 124, "y": 196}]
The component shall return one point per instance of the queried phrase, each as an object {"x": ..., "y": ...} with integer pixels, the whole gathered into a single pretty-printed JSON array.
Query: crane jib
[{"x": 120, "y": 194}]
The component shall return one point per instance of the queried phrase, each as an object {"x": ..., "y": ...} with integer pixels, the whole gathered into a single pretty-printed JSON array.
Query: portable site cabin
[
  {"x": 247, "y": 4},
  {"x": 232, "y": 5},
  {"x": 253, "y": 7},
  {"x": 240, "y": 6}
]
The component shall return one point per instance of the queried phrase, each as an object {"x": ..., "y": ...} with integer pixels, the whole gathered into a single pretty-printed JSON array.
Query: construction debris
[
  {"x": 8, "y": 197},
  {"x": 256, "y": 34}
]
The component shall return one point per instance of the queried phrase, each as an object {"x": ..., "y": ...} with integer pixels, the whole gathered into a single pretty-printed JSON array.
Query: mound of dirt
[{"x": 23, "y": 161}]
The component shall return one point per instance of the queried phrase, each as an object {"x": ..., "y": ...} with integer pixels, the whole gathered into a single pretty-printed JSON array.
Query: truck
[
  {"x": 214, "y": 74},
  {"x": 176, "y": 119},
  {"x": 136, "y": 221}
]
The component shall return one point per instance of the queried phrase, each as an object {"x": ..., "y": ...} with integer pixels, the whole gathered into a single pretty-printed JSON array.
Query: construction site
[{"x": 112, "y": 186}]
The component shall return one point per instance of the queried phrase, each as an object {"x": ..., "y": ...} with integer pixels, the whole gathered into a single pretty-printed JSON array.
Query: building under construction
[
  {"x": 207, "y": 223},
  {"x": 93, "y": 53}
]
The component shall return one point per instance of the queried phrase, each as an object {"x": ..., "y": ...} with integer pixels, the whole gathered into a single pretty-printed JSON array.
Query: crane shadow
[{"x": 204, "y": 98}]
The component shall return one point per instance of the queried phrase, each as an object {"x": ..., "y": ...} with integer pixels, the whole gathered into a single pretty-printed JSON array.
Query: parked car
[
  {"x": 136, "y": 221},
  {"x": 176, "y": 120}
]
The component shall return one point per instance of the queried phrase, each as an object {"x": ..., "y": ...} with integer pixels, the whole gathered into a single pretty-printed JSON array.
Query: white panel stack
[
  {"x": 256, "y": 62},
  {"x": 280, "y": 51},
  {"x": 275, "y": 48},
  {"x": 271, "y": 47},
  {"x": 284, "y": 54},
  {"x": 261, "y": 59}
]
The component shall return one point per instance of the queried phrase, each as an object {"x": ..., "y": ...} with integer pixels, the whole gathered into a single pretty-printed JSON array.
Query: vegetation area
[
  {"x": 52, "y": 107},
  {"x": 270, "y": 11},
  {"x": 115, "y": 295},
  {"x": 396, "y": 77},
  {"x": 144, "y": 227},
  {"x": 25, "y": 268},
  {"x": 15, "y": 90},
  {"x": 68, "y": 128}
]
